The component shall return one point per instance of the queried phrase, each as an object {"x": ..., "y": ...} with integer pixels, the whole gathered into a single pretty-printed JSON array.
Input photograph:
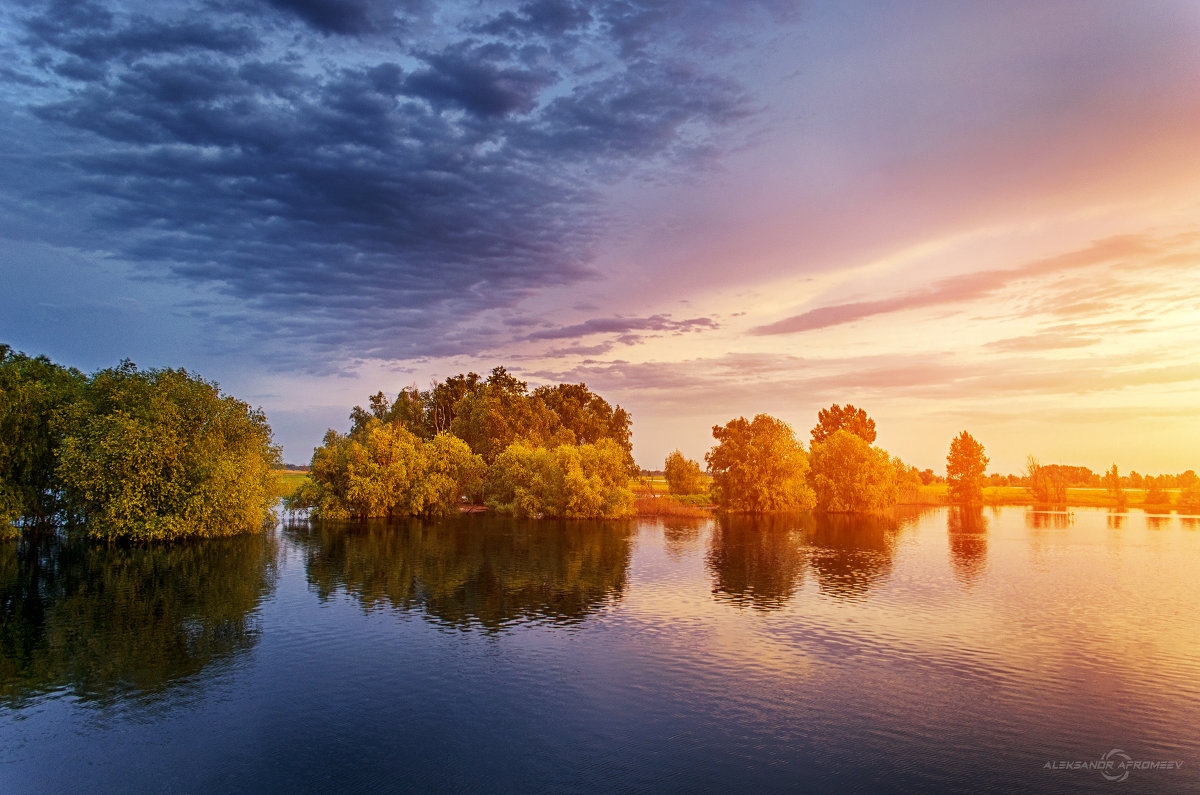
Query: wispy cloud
[{"x": 962, "y": 288}]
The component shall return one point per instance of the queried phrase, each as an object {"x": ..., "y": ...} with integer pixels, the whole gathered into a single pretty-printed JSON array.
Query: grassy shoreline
[
  {"x": 936, "y": 494},
  {"x": 653, "y": 498}
]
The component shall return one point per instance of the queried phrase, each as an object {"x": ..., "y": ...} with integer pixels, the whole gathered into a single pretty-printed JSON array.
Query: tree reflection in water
[
  {"x": 758, "y": 561},
  {"x": 471, "y": 571},
  {"x": 681, "y": 536},
  {"x": 110, "y": 621},
  {"x": 967, "y": 528},
  {"x": 852, "y": 553}
]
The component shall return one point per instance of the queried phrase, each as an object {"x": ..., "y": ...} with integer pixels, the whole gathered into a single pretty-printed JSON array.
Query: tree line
[
  {"x": 760, "y": 466},
  {"x": 162, "y": 454}
]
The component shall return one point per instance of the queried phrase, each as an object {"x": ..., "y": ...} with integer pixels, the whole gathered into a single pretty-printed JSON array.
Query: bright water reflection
[{"x": 935, "y": 651}]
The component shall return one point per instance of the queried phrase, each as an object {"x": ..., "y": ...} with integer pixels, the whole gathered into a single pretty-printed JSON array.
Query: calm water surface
[{"x": 931, "y": 652}]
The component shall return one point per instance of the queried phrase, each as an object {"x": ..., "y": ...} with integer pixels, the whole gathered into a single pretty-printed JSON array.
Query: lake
[{"x": 933, "y": 651}]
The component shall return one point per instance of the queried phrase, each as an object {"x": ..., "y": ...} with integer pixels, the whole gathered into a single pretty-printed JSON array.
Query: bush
[
  {"x": 568, "y": 481},
  {"x": 162, "y": 454},
  {"x": 851, "y": 476},
  {"x": 384, "y": 470},
  {"x": 684, "y": 475}
]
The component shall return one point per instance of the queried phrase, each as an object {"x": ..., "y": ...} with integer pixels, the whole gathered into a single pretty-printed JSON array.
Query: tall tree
[
  {"x": 34, "y": 392},
  {"x": 759, "y": 466},
  {"x": 1112, "y": 483},
  {"x": 837, "y": 418},
  {"x": 683, "y": 475},
  {"x": 965, "y": 468},
  {"x": 588, "y": 416}
]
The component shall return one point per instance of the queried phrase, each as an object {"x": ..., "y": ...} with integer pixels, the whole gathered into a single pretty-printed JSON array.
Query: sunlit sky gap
[{"x": 956, "y": 215}]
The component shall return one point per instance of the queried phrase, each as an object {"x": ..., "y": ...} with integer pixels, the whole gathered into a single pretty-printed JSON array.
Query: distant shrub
[{"x": 684, "y": 475}]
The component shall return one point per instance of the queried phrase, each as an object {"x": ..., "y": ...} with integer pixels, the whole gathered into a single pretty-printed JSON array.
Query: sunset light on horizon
[{"x": 956, "y": 216}]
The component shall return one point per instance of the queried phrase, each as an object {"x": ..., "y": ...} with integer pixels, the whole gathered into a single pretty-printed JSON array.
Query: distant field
[
  {"x": 291, "y": 480},
  {"x": 935, "y": 494}
]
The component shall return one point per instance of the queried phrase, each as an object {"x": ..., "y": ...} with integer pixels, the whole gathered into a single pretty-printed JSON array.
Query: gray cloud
[{"x": 623, "y": 326}]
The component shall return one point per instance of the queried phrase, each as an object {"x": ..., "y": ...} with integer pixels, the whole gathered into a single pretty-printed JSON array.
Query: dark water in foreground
[{"x": 930, "y": 653}]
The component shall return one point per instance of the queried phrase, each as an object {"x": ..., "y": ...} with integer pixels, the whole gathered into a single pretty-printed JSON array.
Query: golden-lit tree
[
  {"x": 1112, "y": 483},
  {"x": 759, "y": 466},
  {"x": 851, "y": 476},
  {"x": 966, "y": 466},
  {"x": 849, "y": 418},
  {"x": 588, "y": 481},
  {"x": 684, "y": 475}
]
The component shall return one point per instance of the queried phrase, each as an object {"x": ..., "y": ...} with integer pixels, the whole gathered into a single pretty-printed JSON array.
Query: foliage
[
  {"x": 502, "y": 412},
  {"x": 589, "y": 417},
  {"x": 684, "y": 475},
  {"x": 908, "y": 481},
  {"x": 965, "y": 468},
  {"x": 1189, "y": 498},
  {"x": 492, "y": 413},
  {"x": 385, "y": 470},
  {"x": 851, "y": 476},
  {"x": 161, "y": 454},
  {"x": 1046, "y": 484},
  {"x": 1156, "y": 498},
  {"x": 836, "y": 418},
  {"x": 758, "y": 466},
  {"x": 567, "y": 481},
  {"x": 1112, "y": 483},
  {"x": 33, "y": 392}
]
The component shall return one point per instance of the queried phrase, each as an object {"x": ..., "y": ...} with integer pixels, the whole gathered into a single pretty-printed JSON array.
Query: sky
[{"x": 958, "y": 216}]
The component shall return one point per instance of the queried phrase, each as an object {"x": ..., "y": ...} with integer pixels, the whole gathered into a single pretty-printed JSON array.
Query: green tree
[
  {"x": 758, "y": 466},
  {"x": 385, "y": 470},
  {"x": 589, "y": 417},
  {"x": 684, "y": 475},
  {"x": 569, "y": 481},
  {"x": 965, "y": 468},
  {"x": 1112, "y": 484},
  {"x": 851, "y": 476},
  {"x": 502, "y": 412},
  {"x": 33, "y": 393},
  {"x": 836, "y": 418},
  {"x": 162, "y": 454}
]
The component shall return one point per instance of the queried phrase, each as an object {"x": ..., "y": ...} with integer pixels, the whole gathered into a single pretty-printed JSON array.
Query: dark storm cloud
[
  {"x": 89, "y": 32},
  {"x": 370, "y": 202},
  {"x": 539, "y": 18},
  {"x": 465, "y": 78}
]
